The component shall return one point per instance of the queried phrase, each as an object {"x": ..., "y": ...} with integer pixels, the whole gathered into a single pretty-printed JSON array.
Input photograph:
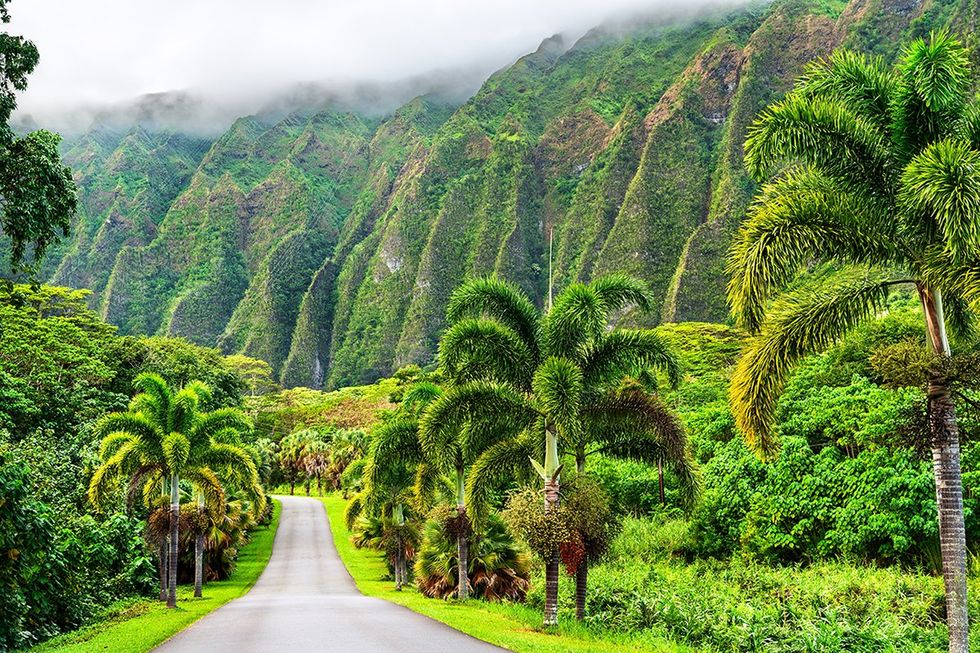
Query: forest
[{"x": 547, "y": 452}]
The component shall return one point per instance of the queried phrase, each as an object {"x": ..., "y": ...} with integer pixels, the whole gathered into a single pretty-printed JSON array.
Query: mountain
[{"x": 327, "y": 242}]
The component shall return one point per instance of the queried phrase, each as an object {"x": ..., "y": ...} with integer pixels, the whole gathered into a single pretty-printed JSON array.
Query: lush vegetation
[{"x": 62, "y": 369}]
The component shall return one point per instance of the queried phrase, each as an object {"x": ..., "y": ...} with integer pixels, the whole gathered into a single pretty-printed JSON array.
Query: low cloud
[{"x": 205, "y": 61}]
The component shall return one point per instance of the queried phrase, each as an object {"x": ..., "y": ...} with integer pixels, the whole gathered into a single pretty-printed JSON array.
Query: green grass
[
  {"x": 512, "y": 626},
  {"x": 137, "y": 626}
]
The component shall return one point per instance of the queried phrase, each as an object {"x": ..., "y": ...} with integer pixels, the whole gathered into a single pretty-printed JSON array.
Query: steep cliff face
[{"x": 328, "y": 243}]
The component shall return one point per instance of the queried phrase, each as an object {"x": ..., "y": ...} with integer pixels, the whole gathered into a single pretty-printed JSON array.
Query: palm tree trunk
[
  {"x": 164, "y": 561},
  {"x": 552, "y": 569},
  {"x": 945, "y": 441},
  {"x": 582, "y": 571},
  {"x": 949, "y": 499},
  {"x": 198, "y": 564},
  {"x": 174, "y": 528},
  {"x": 462, "y": 545},
  {"x": 292, "y": 487},
  {"x": 581, "y": 587}
]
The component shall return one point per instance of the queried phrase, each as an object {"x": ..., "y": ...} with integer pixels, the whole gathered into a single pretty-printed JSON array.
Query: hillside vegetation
[{"x": 327, "y": 242}]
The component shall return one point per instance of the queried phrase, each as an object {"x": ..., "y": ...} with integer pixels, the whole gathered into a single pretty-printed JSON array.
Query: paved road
[{"x": 306, "y": 601}]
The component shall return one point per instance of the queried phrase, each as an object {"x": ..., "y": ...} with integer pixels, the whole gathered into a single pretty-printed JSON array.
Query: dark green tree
[{"x": 37, "y": 192}]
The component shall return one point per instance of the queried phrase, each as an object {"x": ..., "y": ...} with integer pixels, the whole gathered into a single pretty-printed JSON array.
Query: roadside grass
[
  {"x": 509, "y": 625},
  {"x": 139, "y": 625}
]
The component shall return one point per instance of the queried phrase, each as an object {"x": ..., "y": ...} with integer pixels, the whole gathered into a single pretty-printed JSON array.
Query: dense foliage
[{"x": 61, "y": 369}]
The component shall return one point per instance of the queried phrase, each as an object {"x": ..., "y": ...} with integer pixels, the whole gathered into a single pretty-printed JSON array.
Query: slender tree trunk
[
  {"x": 198, "y": 564},
  {"x": 164, "y": 559},
  {"x": 462, "y": 545},
  {"x": 174, "y": 528},
  {"x": 552, "y": 568},
  {"x": 398, "y": 566},
  {"x": 581, "y": 587},
  {"x": 945, "y": 441},
  {"x": 292, "y": 487},
  {"x": 582, "y": 571}
]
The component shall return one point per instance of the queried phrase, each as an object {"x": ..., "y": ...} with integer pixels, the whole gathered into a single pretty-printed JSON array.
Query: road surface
[{"x": 306, "y": 601}]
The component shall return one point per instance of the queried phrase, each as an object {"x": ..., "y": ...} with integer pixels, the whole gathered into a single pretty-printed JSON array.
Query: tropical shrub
[{"x": 499, "y": 568}]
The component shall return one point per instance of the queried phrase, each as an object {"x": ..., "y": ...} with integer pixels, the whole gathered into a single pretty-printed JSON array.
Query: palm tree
[
  {"x": 527, "y": 382},
  {"x": 292, "y": 456},
  {"x": 405, "y": 477},
  {"x": 160, "y": 439},
  {"x": 875, "y": 173}
]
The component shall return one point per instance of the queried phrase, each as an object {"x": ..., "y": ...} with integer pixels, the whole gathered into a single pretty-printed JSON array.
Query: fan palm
[
  {"x": 162, "y": 438},
  {"x": 874, "y": 172},
  {"x": 527, "y": 382}
]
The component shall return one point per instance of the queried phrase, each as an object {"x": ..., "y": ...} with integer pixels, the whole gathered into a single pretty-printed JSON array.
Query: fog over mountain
[{"x": 201, "y": 64}]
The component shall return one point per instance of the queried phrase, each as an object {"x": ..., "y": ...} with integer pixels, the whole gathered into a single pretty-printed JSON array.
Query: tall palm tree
[
  {"x": 160, "y": 439},
  {"x": 531, "y": 381},
  {"x": 874, "y": 172},
  {"x": 406, "y": 477}
]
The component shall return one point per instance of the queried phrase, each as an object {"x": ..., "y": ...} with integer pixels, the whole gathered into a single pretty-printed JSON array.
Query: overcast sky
[{"x": 106, "y": 51}]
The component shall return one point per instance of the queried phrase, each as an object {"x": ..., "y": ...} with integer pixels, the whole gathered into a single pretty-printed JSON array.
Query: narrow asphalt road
[{"x": 306, "y": 601}]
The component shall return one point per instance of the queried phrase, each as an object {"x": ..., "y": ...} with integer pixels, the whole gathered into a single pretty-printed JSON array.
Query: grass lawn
[
  {"x": 138, "y": 626},
  {"x": 512, "y": 626}
]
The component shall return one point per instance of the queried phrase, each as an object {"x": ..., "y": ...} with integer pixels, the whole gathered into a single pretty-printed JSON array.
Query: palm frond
[
  {"x": 176, "y": 449},
  {"x": 419, "y": 396},
  {"x": 480, "y": 348},
  {"x": 155, "y": 386},
  {"x": 209, "y": 425},
  {"x": 206, "y": 482},
  {"x": 394, "y": 443},
  {"x": 499, "y": 300},
  {"x": 107, "y": 474},
  {"x": 478, "y": 401},
  {"x": 800, "y": 323},
  {"x": 940, "y": 191},
  {"x": 800, "y": 218},
  {"x": 135, "y": 424},
  {"x": 558, "y": 393},
  {"x": 819, "y": 133},
  {"x": 577, "y": 316},
  {"x": 863, "y": 83},
  {"x": 499, "y": 463},
  {"x": 629, "y": 352},
  {"x": 184, "y": 410},
  {"x": 619, "y": 291},
  {"x": 934, "y": 83}
]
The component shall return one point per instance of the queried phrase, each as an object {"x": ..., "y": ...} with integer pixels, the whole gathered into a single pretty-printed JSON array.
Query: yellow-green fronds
[
  {"x": 800, "y": 218},
  {"x": 619, "y": 291},
  {"x": 800, "y": 323},
  {"x": 864, "y": 83},
  {"x": 176, "y": 449},
  {"x": 558, "y": 394},
  {"x": 820, "y": 133},
  {"x": 940, "y": 191},
  {"x": 629, "y": 352},
  {"x": 108, "y": 474}
]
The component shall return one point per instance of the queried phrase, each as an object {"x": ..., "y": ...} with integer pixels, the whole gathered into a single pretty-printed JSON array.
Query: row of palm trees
[
  {"x": 310, "y": 455},
  {"x": 163, "y": 439},
  {"x": 523, "y": 388}
]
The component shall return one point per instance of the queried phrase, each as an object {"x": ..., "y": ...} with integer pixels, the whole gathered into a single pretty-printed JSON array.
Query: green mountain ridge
[{"x": 327, "y": 242}]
